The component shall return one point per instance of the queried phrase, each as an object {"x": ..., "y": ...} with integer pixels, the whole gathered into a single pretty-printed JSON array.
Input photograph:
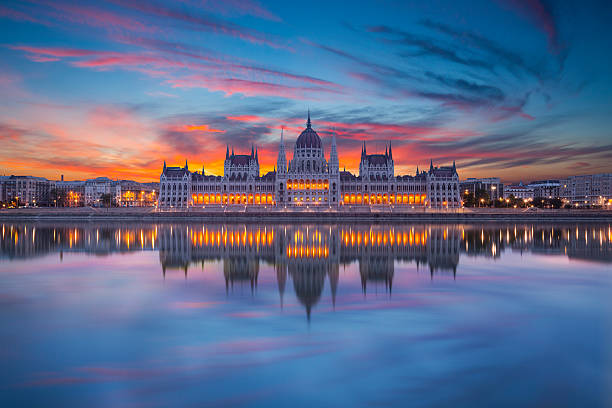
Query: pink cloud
[
  {"x": 93, "y": 17},
  {"x": 230, "y": 86},
  {"x": 200, "y": 22},
  {"x": 230, "y": 7},
  {"x": 540, "y": 15},
  {"x": 55, "y": 51},
  {"x": 17, "y": 15}
]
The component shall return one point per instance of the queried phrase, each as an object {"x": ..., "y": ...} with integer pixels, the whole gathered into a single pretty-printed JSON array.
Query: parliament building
[{"x": 309, "y": 180}]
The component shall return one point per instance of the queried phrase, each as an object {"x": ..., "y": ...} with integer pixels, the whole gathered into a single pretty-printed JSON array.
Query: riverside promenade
[{"x": 343, "y": 214}]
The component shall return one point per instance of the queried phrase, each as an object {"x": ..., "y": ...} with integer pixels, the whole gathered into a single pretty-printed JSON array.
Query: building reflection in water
[{"x": 309, "y": 255}]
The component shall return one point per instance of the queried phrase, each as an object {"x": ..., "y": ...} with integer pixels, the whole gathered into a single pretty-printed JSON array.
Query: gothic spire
[
  {"x": 390, "y": 151},
  {"x": 226, "y": 152},
  {"x": 417, "y": 173},
  {"x": 186, "y": 167},
  {"x": 252, "y": 151},
  {"x": 430, "y": 164},
  {"x": 164, "y": 165},
  {"x": 308, "y": 121}
]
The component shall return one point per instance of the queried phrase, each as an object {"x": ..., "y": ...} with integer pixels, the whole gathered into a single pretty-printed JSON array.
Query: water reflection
[{"x": 309, "y": 255}]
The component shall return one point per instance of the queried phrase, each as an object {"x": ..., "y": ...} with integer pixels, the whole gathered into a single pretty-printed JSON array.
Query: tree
[
  {"x": 482, "y": 198},
  {"x": 57, "y": 198},
  {"x": 468, "y": 200},
  {"x": 107, "y": 200}
]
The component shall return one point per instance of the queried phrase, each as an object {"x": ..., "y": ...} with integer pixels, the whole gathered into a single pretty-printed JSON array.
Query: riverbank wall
[{"x": 303, "y": 215}]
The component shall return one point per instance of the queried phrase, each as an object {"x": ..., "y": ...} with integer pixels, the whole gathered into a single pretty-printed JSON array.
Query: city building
[
  {"x": 134, "y": 194},
  {"x": 68, "y": 193},
  {"x": 98, "y": 189},
  {"x": 520, "y": 190},
  {"x": 546, "y": 188},
  {"x": 491, "y": 185},
  {"x": 310, "y": 180},
  {"x": 587, "y": 190},
  {"x": 25, "y": 190}
]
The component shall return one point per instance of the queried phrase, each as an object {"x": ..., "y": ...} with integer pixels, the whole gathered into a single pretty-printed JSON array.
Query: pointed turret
[
  {"x": 281, "y": 161},
  {"x": 226, "y": 152},
  {"x": 186, "y": 166},
  {"x": 252, "y": 151},
  {"x": 430, "y": 165},
  {"x": 386, "y": 151},
  {"x": 164, "y": 165},
  {"x": 334, "y": 163},
  {"x": 390, "y": 151},
  {"x": 202, "y": 168},
  {"x": 232, "y": 151},
  {"x": 256, "y": 156},
  {"x": 454, "y": 167},
  {"x": 417, "y": 173}
]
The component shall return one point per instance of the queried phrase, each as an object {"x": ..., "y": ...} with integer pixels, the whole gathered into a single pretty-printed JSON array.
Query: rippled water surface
[{"x": 147, "y": 315}]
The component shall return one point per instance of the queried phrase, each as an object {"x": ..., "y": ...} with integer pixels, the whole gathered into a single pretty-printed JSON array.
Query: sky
[{"x": 516, "y": 89}]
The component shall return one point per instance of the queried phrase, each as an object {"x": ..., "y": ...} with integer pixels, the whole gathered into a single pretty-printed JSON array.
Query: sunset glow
[{"x": 513, "y": 89}]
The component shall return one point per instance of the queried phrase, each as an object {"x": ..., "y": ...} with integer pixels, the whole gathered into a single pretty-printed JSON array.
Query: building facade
[
  {"x": 546, "y": 188},
  {"x": 492, "y": 185},
  {"x": 25, "y": 190},
  {"x": 588, "y": 190},
  {"x": 309, "y": 180},
  {"x": 520, "y": 190}
]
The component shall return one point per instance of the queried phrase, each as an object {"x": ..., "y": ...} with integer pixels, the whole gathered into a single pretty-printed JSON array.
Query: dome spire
[{"x": 308, "y": 121}]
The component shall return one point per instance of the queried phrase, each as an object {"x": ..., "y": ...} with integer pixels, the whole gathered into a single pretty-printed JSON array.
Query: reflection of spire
[
  {"x": 281, "y": 280},
  {"x": 334, "y": 277}
]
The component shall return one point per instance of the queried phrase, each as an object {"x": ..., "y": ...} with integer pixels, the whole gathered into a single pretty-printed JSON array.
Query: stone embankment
[{"x": 242, "y": 214}]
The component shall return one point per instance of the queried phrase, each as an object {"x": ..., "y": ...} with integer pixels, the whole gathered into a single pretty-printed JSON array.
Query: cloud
[
  {"x": 90, "y": 16},
  {"x": 230, "y": 86},
  {"x": 198, "y": 21},
  {"x": 9, "y": 132},
  {"x": 540, "y": 13},
  {"x": 428, "y": 47},
  {"x": 176, "y": 71},
  {"x": 240, "y": 7}
]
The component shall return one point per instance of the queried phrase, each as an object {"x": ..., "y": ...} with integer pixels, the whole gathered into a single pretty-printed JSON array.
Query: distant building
[
  {"x": 492, "y": 185},
  {"x": 134, "y": 194},
  {"x": 72, "y": 193},
  {"x": 309, "y": 179},
  {"x": 99, "y": 188},
  {"x": 587, "y": 190},
  {"x": 25, "y": 190},
  {"x": 519, "y": 191},
  {"x": 546, "y": 188}
]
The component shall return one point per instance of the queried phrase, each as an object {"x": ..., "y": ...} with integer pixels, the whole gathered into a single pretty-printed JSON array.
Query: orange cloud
[{"x": 203, "y": 128}]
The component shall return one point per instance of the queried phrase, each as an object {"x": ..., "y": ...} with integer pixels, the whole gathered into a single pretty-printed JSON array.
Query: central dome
[{"x": 308, "y": 138}]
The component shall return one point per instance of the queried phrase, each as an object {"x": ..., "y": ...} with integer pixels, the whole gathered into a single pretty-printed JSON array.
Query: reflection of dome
[
  {"x": 308, "y": 283},
  {"x": 308, "y": 138}
]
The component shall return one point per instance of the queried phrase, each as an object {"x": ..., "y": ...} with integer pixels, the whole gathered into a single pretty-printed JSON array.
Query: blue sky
[{"x": 512, "y": 88}]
